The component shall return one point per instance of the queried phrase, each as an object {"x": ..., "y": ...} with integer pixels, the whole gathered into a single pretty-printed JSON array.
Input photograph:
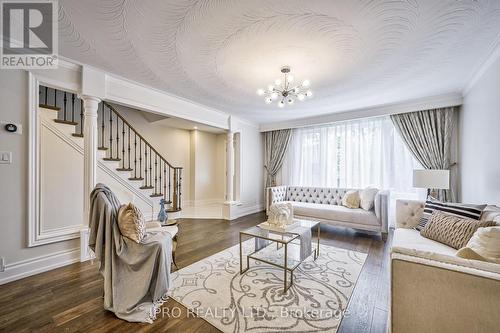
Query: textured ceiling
[{"x": 217, "y": 53}]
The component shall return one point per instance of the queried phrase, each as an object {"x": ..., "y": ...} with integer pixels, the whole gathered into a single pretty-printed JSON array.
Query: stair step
[
  {"x": 155, "y": 195},
  {"x": 78, "y": 135},
  {"x": 136, "y": 178},
  {"x": 67, "y": 122},
  {"x": 45, "y": 106},
  {"x": 102, "y": 148},
  {"x": 111, "y": 159},
  {"x": 146, "y": 187},
  {"x": 124, "y": 169}
]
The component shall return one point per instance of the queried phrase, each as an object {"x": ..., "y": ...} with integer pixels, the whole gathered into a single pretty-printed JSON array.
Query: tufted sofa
[
  {"x": 325, "y": 204},
  {"x": 433, "y": 290}
]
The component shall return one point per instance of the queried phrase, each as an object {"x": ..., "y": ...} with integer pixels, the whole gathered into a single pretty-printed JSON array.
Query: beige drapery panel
[
  {"x": 428, "y": 135},
  {"x": 275, "y": 147}
]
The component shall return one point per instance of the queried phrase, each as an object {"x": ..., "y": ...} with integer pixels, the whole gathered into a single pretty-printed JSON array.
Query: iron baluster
[{"x": 65, "y": 100}]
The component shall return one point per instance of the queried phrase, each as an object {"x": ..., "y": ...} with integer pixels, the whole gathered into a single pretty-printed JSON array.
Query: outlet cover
[{"x": 2, "y": 264}]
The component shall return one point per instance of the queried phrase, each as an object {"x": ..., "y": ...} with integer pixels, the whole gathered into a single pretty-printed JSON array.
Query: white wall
[
  {"x": 252, "y": 169},
  {"x": 206, "y": 168},
  {"x": 14, "y": 177},
  {"x": 479, "y": 136}
]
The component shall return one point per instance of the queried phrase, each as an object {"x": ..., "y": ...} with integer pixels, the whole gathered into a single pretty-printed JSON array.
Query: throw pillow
[
  {"x": 468, "y": 253},
  {"x": 461, "y": 210},
  {"x": 486, "y": 243},
  {"x": 367, "y": 198},
  {"x": 351, "y": 199},
  {"x": 131, "y": 222},
  {"x": 451, "y": 230}
]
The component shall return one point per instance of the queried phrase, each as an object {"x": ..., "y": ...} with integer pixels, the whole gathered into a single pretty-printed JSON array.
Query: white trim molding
[
  {"x": 32, "y": 266},
  {"x": 232, "y": 212},
  {"x": 483, "y": 67},
  {"x": 37, "y": 235},
  {"x": 432, "y": 102}
]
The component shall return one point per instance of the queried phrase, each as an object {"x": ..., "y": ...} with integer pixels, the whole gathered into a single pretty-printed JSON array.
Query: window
[{"x": 352, "y": 154}]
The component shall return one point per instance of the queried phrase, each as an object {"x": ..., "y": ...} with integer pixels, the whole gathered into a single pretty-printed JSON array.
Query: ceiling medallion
[{"x": 284, "y": 91}]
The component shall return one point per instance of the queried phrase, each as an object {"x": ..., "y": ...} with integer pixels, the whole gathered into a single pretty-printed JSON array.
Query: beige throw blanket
[{"x": 136, "y": 276}]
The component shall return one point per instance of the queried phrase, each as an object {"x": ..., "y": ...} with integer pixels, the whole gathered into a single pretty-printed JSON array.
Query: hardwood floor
[{"x": 69, "y": 299}]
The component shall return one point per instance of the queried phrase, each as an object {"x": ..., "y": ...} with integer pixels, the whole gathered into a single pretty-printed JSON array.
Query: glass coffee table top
[{"x": 280, "y": 236}]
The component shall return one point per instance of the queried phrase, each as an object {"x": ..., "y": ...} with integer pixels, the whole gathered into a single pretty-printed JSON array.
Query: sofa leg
[{"x": 384, "y": 236}]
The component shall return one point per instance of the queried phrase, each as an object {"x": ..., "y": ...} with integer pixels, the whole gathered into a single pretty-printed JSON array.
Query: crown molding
[
  {"x": 425, "y": 103},
  {"x": 483, "y": 66}
]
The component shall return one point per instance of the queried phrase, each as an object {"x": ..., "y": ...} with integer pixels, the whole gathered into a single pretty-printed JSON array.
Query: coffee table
[{"x": 287, "y": 253}]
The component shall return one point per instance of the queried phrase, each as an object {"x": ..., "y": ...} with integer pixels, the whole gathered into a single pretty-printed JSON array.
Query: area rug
[{"x": 214, "y": 289}]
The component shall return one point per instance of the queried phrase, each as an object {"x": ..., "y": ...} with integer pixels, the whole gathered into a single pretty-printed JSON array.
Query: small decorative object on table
[
  {"x": 280, "y": 215},
  {"x": 162, "y": 214}
]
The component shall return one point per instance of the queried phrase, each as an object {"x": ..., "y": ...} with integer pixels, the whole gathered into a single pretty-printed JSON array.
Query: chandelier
[{"x": 284, "y": 91}]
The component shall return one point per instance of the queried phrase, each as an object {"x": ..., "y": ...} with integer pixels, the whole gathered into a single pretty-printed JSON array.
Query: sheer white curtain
[{"x": 352, "y": 154}]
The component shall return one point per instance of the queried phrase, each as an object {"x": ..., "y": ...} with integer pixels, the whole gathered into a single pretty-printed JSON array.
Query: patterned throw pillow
[
  {"x": 466, "y": 211},
  {"x": 452, "y": 230},
  {"x": 131, "y": 222},
  {"x": 351, "y": 199}
]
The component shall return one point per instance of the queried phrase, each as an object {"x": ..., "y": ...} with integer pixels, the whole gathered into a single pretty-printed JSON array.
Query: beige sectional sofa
[
  {"x": 433, "y": 290},
  {"x": 325, "y": 205}
]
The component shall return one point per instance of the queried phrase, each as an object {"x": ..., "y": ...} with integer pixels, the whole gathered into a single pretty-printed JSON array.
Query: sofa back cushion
[{"x": 319, "y": 195}]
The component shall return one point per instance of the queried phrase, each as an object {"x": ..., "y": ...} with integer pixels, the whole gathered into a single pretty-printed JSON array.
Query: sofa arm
[
  {"x": 382, "y": 209},
  {"x": 431, "y": 292},
  {"x": 408, "y": 213},
  {"x": 275, "y": 194}
]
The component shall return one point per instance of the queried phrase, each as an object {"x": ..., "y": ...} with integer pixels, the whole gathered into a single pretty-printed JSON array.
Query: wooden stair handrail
[{"x": 139, "y": 135}]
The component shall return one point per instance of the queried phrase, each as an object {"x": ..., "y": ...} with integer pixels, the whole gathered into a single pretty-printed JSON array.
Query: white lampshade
[{"x": 431, "y": 179}]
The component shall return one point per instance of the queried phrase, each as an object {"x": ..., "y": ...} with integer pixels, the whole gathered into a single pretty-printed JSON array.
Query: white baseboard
[
  {"x": 237, "y": 211},
  {"x": 32, "y": 266}
]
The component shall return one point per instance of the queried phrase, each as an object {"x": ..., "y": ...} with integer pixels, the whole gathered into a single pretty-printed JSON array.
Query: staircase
[{"x": 120, "y": 147}]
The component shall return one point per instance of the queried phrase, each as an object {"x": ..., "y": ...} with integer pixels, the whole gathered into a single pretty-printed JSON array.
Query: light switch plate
[
  {"x": 5, "y": 157},
  {"x": 19, "y": 126}
]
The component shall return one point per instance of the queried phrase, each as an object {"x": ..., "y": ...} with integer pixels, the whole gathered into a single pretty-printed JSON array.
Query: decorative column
[
  {"x": 229, "y": 167},
  {"x": 90, "y": 105}
]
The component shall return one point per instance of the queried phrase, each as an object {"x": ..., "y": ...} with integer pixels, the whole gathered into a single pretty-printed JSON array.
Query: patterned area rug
[{"x": 214, "y": 290}]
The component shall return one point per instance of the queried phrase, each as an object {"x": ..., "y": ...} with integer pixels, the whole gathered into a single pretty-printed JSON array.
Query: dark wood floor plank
[{"x": 69, "y": 299}]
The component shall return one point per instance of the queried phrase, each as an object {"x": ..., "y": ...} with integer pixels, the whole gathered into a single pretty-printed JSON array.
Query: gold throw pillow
[
  {"x": 452, "y": 230},
  {"x": 351, "y": 199},
  {"x": 131, "y": 222}
]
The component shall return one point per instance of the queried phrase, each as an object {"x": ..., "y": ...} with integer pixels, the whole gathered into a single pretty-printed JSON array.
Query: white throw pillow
[
  {"x": 367, "y": 197},
  {"x": 486, "y": 242}
]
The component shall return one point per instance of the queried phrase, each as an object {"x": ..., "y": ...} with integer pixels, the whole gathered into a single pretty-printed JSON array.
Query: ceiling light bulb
[
  {"x": 281, "y": 104},
  {"x": 268, "y": 100},
  {"x": 274, "y": 95},
  {"x": 309, "y": 93},
  {"x": 270, "y": 87},
  {"x": 290, "y": 101},
  {"x": 306, "y": 83},
  {"x": 260, "y": 92},
  {"x": 301, "y": 97},
  {"x": 290, "y": 78},
  {"x": 277, "y": 82},
  {"x": 296, "y": 90}
]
